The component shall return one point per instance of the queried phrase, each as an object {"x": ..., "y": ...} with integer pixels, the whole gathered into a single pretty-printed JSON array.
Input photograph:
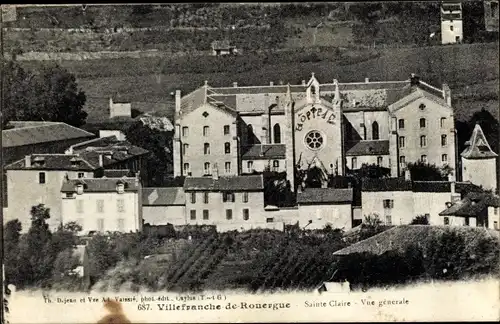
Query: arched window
[
  {"x": 206, "y": 148},
  {"x": 250, "y": 135},
  {"x": 277, "y": 133},
  {"x": 422, "y": 122},
  {"x": 375, "y": 134}
]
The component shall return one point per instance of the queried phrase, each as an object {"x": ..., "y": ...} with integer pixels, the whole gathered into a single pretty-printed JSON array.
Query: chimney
[
  {"x": 177, "y": 101},
  {"x": 447, "y": 93},
  {"x": 101, "y": 163},
  {"x": 303, "y": 82},
  {"x": 277, "y": 102},
  {"x": 407, "y": 175},
  {"x": 452, "y": 187},
  {"x": 271, "y": 83},
  {"x": 414, "y": 79},
  {"x": 27, "y": 161},
  {"x": 79, "y": 189},
  {"x": 235, "y": 84},
  {"x": 281, "y": 82},
  {"x": 367, "y": 80}
]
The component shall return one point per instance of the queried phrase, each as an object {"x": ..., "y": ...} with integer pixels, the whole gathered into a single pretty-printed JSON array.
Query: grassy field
[{"x": 471, "y": 70}]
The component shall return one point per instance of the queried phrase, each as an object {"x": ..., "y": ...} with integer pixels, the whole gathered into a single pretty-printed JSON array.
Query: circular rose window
[{"x": 314, "y": 140}]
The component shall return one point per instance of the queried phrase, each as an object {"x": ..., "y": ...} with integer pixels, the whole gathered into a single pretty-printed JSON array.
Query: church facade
[{"x": 336, "y": 127}]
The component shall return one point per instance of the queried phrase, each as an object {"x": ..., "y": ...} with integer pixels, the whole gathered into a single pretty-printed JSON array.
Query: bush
[{"x": 420, "y": 220}]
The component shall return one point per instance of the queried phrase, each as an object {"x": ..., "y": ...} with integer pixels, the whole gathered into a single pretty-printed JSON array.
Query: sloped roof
[
  {"x": 399, "y": 238},
  {"x": 264, "y": 152},
  {"x": 472, "y": 205},
  {"x": 61, "y": 162},
  {"x": 224, "y": 183},
  {"x": 29, "y": 133},
  {"x": 401, "y": 184},
  {"x": 173, "y": 196},
  {"x": 324, "y": 195},
  {"x": 376, "y": 147},
  {"x": 387, "y": 184},
  {"x": 101, "y": 184},
  {"x": 416, "y": 93},
  {"x": 478, "y": 146},
  {"x": 116, "y": 173}
]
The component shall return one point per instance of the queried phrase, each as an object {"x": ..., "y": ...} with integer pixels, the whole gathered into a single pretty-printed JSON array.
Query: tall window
[
  {"x": 192, "y": 214},
  {"x": 193, "y": 197},
  {"x": 81, "y": 175},
  {"x": 79, "y": 206},
  {"x": 205, "y": 197},
  {"x": 185, "y": 131},
  {"x": 100, "y": 205},
  {"x": 354, "y": 163},
  {"x": 186, "y": 169},
  {"x": 451, "y": 27},
  {"x": 206, "y": 148},
  {"x": 401, "y": 124},
  {"x": 276, "y": 165},
  {"x": 442, "y": 122},
  {"x": 423, "y": 141},
  {"x": 205, "y": 214},
  {"x": 228, "y": 196},
  {"x": 226, "y": 130},
  {"x": 229, "y": 214},
  {"x": 423, "y": 158},
  {"x": 375, "y": 134},
  {"x": 379, "y": 161},
  {"x": 206, "y": 131},
  {"x": 401, "y": 141},
  {"x": 41, "y": 177},
  {"x": 443, "y": 140},
  {"x": 277, "y": 133},
  {"x": 120, "y": 205},
  {"x": 245, "y": 197},
  {"x": 227, "y": 148},
  {"x": 250, "y": 166},
  {"x": 100, "y": 224},
  {"x": 402, "y": 162},
  {"x": 444, "y": 158},
  {"x": 446, "y": 221},
  {"x": 227, "y": 167},
  {"x": 250, "y": 135},
  {"x": 185, "y": 147},
  {"x": 121, "y": 225},
  {"x": 422, "y": 123},
  {"x": 388, "y": 220},
  {"x": 246, "y": 214},
  {"x": 206, "y": 167}
]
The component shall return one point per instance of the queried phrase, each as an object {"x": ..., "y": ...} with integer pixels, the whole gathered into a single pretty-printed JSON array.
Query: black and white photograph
[{"x": 250, "y": 162}]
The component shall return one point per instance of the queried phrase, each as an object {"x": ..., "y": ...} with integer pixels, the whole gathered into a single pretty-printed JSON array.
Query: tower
[
  {"x": 177, "y": 154},
  {"x": 289, "y": 139},
  {"x": 479, "y": 161}
]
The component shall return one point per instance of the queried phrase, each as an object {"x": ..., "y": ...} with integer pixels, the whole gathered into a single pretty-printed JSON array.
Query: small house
[{"x": 223, "y": 48}]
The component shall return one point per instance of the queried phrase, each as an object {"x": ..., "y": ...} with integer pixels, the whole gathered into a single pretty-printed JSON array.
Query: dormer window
[
  {"x": 120, "y": 187},
  {"x": 39, "y": 160}
]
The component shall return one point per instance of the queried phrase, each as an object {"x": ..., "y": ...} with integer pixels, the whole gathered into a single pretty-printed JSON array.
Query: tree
[
  {"x": 52, "y": 94},
  {"x": 371, "y": 226},
  {"x": 372, "y": 171},
  {"x": 421, "y": 171},
  {"x": 420, "y": 220},
  {"x": 12, "y": 234}
]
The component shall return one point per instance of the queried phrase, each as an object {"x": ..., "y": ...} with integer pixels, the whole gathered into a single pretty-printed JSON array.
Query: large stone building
[{"x": 333, "y": 126}]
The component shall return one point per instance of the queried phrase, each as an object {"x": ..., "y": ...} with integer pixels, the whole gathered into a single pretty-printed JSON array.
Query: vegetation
[
  {"x": 40, "y": 257},
  {"x": 52, "y": 94},
  {"x": 422, "y": 171},
  {"x": 420, "y": 220}
]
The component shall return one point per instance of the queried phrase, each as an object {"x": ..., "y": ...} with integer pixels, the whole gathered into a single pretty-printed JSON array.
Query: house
[
  {"x": 102, "y": 204},
  {"x": 37, "y": 179},
  {"x": 119, "y": 108},
  {"x": 162, "y": 206},
  {"x": 451, "y": 22},
  {"x": 479, "y": 161},
  {"x": 491, "y": 15},
  {"x": 319, "y": 207},
  {"x": 479, "y": 209},
  {"x": 223, "y": 47},
  {"x": 397, "y": 201}
]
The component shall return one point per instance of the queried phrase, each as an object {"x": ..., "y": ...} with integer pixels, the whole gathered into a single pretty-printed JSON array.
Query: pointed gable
[{"x": 478, "y": 146}]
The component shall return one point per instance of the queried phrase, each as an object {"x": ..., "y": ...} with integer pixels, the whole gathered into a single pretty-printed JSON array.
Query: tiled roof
[
  {"x": 63, "y": 162},
  {"x": 28, "y": 133},
  {"x": 324, "y": 195},
  {"x": 117, "y": 173},
  {"x": 264, "y": 152},
  {"x": 400, "y": 184},
  {"x": 224, "y": 183},
  {"x": 101, "y": 184},
  {"x": 163, "y": 196},
  {"x": 399, "y": 238},
  {"x": 472, "y": 205},
  {"x": 376, "y": 147},
  {"x": 156, "y": 122},
  {"x": 478, "y": 146}
]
